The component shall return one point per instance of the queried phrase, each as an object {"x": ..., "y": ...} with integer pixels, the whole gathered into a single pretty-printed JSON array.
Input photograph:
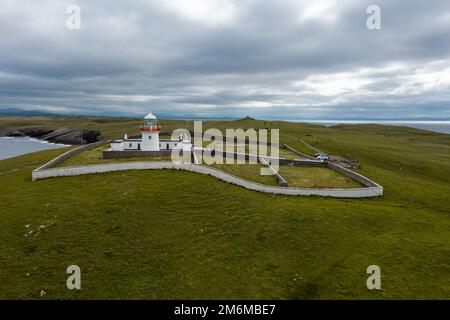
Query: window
[
  {"x": 130, "y": 145},
  {"x": 149, "y": 137},
  {"x": 150, "y": 123}
]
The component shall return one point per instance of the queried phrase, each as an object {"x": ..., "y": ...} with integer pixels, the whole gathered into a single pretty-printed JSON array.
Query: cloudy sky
[{"x": 289, "y": 59}]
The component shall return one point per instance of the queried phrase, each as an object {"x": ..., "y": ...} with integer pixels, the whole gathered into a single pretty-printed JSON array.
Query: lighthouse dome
[
  {"x": 150, "y": 116},
  {"x": 150, "y": 123}
]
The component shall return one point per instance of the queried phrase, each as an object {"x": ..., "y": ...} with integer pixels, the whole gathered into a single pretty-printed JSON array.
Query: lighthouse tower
[{"x": 150, "y": 133}]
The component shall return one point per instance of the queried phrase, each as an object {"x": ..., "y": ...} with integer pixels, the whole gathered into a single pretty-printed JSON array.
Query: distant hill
[
  {"x": 29, "y": 113},
  {"x": 21, "y": 112}
]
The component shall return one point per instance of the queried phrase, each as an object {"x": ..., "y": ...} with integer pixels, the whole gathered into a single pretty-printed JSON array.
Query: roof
[
  {"x": 150, "y": 116},
  {"x": 170, "y": 140}
]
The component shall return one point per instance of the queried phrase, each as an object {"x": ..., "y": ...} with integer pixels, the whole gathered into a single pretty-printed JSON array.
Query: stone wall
[
  {"x": 307, "y": 163},
  {"x": 110, "y": 167},
  {"x": 108, "y": 154},
  {"x": 371, "y": 189},
  {"x": 255, "y": 158},
  {"x": 234, "y": 139},
  {"x": 355, "y": 176},
  {"x": 298, "y": 152},
  {"x": 281, "y": 181},
  {"x": 70, "y": 154}
]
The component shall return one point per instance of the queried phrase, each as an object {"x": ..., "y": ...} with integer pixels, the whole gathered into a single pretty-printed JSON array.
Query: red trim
[{"x": 151, "y": 129}]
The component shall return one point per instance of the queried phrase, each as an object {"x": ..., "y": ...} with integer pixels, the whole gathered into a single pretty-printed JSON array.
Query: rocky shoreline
[{"x": 60, "y": 135}]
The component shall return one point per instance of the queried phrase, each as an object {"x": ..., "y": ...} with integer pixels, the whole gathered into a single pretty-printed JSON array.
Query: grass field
[
  {"x": 251, "y": 172},
  {"x": 305, "y": 177},
  {"x": 284, "y": 153},
  {"x": 173, "y": 234}
]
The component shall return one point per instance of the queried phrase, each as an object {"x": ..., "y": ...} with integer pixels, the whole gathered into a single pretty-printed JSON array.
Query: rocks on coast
[{"x": 60, "y": 135}]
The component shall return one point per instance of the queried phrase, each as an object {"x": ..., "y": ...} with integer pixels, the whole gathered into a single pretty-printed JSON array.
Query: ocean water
[
  {"x": 436, "y": 126},
  {"x": 11, "y": 147}
]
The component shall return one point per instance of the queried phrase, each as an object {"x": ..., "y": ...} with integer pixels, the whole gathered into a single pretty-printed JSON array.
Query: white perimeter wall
[{"x": 90, "y": 169}]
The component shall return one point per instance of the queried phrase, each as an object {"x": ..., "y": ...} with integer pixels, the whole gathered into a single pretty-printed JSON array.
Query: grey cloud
[{"x": 265, "y": 62}]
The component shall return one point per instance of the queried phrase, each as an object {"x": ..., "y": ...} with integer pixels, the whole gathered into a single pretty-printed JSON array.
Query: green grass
[
  {"x": 174, "y": 234},
  {"x": 285, "y": 153},
  {"x": 307, "y": 177},
  {"x": 247, "y": 171}
]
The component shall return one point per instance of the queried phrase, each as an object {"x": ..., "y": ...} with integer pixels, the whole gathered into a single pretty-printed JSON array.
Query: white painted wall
[
  {"x": 150, "y": 145},
  {"x": 150, "y": 141},
  {"x": 184, "y": 145},
  {"x": 117, "y": 146},
  {"x": 132, "y": 145}
]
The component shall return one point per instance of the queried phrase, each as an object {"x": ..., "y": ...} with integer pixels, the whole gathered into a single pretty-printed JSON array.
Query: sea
[{"x": 12, "y": 146}]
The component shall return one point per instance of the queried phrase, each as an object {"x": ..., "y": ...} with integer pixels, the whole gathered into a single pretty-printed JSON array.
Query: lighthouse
[
  {"x": 149, "y": 144},
  {"x": 150, "y": 133}
]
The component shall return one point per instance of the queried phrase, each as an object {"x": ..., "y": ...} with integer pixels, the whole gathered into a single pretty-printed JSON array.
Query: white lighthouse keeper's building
[{"x": 149, "y": 140}]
